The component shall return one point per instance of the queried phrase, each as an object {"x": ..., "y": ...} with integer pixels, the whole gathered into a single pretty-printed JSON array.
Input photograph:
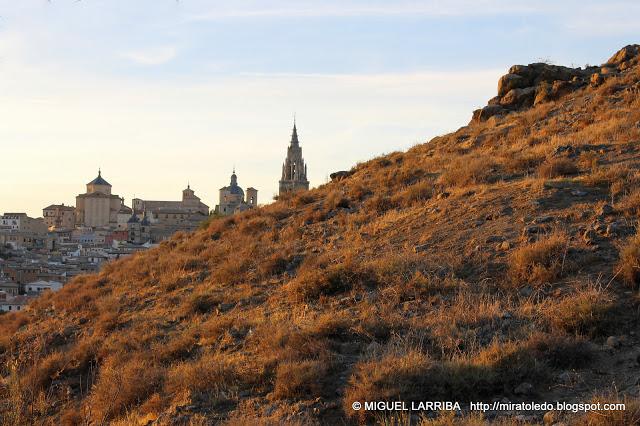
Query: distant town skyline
[{"x": 159, "y": 94}]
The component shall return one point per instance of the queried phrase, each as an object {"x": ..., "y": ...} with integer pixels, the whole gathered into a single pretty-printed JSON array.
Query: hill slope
[{"x": 499, "y": 261}]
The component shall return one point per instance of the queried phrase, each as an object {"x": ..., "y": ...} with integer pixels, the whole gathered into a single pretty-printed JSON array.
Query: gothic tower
[{"x": 294, "y": 171}]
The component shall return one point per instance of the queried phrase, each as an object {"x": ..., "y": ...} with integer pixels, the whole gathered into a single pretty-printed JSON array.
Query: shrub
[
  {"x": 540, "y": 262},
  {"x": 562, "y": 351},
  {"x": 629, "y": 264},
  {"x": 300, "y": 379},
  {"x": 311, "y": 283},
  {"x": 557, "y": 167},
  {"x": 212, "y": 374},
  {"x": 585, "y": 312},
  {"x": 200, "y": 303},
  {"x": 469, "y": 170},
  {"x": 630, "y": 415},
  {"x": 380, "y": 203},
  {"x": 275, "y": 264},
  {"x": 122, "y": 387}
]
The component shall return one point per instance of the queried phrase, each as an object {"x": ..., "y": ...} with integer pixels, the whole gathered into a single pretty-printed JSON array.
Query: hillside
[{"x": 498, "y": 262}]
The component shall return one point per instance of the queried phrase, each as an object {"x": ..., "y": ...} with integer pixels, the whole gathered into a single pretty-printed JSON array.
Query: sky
[{"x": 164, "y": 93}]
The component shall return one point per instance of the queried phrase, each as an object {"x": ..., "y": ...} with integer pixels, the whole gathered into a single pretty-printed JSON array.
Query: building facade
[
  {"x": 294, "y": 170},
  {"x": 190, "y": 203},
  {"x": 233, "y": 200},
  {"x": 98, "y": 206},
  {"x": 59, "y": 216}
]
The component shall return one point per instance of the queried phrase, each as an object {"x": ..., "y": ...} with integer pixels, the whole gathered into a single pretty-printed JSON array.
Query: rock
[
  {"x": 596, "y": 79},
  {"x": 564, "y": 378},
  {"x": 519, "y": 97},
  {"x": 566, "y": 150},
  {"x": 338, "y": 176},
  {"x": 625, "y": 54},
  {"x": 613, "y": 342},
  {"x": 523, "y": 389},
  {"x": 526, "y": 291},
  {"x": 589, "y": 236},
  {"x": 504, "y": 246},
  {"x": 532, "y": 230},
  {"x": 487, "y": 112},
  {"x": 494, "y": 239},
  {"x": 421, "y": 248},
  {"x": 543, "y": 219},
  {"x": 613, "y": 229},
  {"x": 606, "y": 210},
  {"x": 578, "y": 193},
  {"x": 510, "y": 81}
]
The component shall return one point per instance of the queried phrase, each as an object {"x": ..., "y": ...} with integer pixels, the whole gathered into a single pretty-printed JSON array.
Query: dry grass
[
  {"x": 557, "y": 167},
  {"x": 409, "y": 278},
  {"x": 540, "y": 262},
  {"x": 472, "y": 169},
  {"x": 629, "y": 265}
]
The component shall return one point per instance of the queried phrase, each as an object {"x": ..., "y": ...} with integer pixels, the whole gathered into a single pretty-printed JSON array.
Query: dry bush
[
  {"x": 586, "y": 312},
  {"x": 629, "y": 416},
  {"x": 521, "y": 162},
  {"x": 630, "y": 204},
  {"x": 540, "y": 262},
  {"x": 589, "y": 160},
  {"x": 302, "y": 199},
  {"x": 561, "y": 351},
  {"x": 300, "y": 379},
  {"x": 409, "y": 375},
  {"x": 380, "y": 203},
  {"x": 312, "y": 283},
  {"x": 120, "y": 388},
  {"x": 336, "y": 199},
  {"x": 629, "y": 264},
  {"x": 200, "y": 303},
  {"x": 416, "y": 193},
  {"x": 557, "y": 167},
  {"x": 275, "y": 264},
  {"x": 212, "y": 374},
  {"x": 472, "y": 169}
]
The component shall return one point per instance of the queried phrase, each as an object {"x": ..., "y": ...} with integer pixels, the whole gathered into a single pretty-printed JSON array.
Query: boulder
[
  {"x": 510, "y": 81},
  {"x": 625, "y": 54},
  {"x": 487, "y": 112},
  {"x": 338, "y": 176},
  {"x": 519, "y": 97}
]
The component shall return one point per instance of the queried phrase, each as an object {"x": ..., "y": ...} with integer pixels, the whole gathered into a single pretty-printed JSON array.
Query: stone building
[
  {"x": 233, "y": 200},
  {"x": 190, "y": 203},
  {"x": 59, "y": 216},
  {"x": 20, "y": 230},
  {"x": 139, "y": 229},
  {"x": 294, "y": 170},
  {"x": 98, "y": 206}
]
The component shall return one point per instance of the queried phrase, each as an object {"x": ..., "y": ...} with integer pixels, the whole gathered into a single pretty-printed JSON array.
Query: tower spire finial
[{"x": 99, "y": 171}]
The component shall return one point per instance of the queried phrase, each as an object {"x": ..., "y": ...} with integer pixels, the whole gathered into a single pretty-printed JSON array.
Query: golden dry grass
[{"x": 410, "y": 277}]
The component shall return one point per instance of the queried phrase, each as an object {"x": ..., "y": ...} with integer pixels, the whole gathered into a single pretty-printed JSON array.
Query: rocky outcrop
[
  {"x": 338, "y": 176},
  {"x": 525, "y": 86}
]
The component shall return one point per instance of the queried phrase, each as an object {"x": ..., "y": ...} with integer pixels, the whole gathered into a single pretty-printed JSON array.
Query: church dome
[{"x": 99, "y": 180}]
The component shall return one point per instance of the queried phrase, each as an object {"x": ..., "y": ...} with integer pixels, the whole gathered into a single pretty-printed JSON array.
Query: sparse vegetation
[
  {"x": 459, "y": 269},
  {"x": 541, "y": 261}
]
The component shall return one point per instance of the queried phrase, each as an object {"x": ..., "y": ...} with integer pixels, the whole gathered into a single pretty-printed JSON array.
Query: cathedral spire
[{"x": 294, "y": 135}]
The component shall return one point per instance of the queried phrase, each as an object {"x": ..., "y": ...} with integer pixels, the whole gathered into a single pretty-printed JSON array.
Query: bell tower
[{"x": 294, "y": 169}]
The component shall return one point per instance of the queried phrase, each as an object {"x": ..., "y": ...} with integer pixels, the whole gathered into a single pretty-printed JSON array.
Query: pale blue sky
[{"x": 161, "y": 92}]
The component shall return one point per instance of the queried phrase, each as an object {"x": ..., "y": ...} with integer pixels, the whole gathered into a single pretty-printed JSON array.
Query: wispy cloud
[
  {"x": 303, "y": 9},
  {"x": 151, "y": 56}
]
